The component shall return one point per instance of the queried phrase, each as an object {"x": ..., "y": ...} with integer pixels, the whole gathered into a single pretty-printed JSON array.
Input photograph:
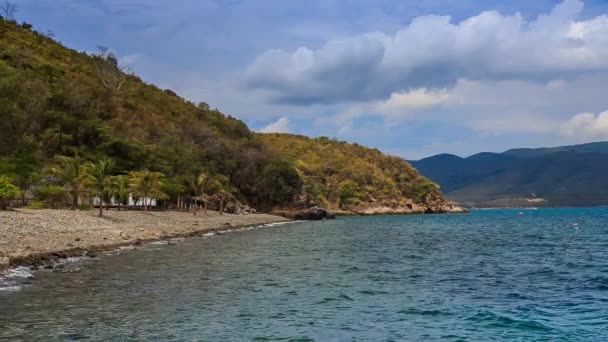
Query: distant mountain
[{"x": 574, "y": 175}]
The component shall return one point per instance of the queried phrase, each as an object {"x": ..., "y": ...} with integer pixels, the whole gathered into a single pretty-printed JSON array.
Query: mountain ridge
[{"x": 547, "y": 176}]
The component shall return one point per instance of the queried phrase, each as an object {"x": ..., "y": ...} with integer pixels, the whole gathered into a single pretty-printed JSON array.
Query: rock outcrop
[
  {"x": 434, "y": 204},
  {"x": 313, "y": 214},
  {"x": 310, "y": 214},
  {"x": 239, "y": 208}
]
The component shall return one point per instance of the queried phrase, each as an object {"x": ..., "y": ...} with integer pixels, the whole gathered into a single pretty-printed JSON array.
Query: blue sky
[{"x": 413, "y": 78}]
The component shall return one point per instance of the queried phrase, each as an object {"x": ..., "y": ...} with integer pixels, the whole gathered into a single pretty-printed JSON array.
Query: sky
[{"x": 413, "y": 78}]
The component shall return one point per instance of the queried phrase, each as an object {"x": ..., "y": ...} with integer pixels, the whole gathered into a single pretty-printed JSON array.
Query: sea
[{"x": 491, "y": 275}]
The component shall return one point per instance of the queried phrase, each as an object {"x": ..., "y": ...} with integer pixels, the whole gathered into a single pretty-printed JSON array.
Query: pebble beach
[{"x": 35, "y": 237}]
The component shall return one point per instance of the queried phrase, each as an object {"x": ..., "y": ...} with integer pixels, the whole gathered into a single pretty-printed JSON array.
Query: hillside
[
  {"x": 56, "y": 102},
  {"x": 53, "y": 102},
  {"x": 558, "y": 176},
  {"x": 339, "y": 175}
]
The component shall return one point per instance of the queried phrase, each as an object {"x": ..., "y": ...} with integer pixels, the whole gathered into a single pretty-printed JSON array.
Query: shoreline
[{"x": 43, "y": 238}]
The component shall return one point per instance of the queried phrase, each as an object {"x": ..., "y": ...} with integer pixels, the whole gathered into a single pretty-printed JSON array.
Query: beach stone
[{"x": 313, "y": 214}]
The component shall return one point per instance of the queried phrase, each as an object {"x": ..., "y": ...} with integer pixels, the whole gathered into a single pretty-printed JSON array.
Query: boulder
[{"x": 313, "y": 214}]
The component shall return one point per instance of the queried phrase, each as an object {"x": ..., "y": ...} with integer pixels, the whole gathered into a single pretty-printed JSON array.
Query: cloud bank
[{"x": 434, "y": 53}]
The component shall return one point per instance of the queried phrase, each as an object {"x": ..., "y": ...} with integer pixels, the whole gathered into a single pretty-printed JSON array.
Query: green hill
[
  {"x": 559, "y": 176},
  {"x": 341, "y": 175},
  {"x": 52, "y": 102},
  {"x": 55, "y": 101}
]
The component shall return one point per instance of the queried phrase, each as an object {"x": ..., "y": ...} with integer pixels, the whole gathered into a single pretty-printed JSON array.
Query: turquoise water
[{"x": 490, "y": 275}]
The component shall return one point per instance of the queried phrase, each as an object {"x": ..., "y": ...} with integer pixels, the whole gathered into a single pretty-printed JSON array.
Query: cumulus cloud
[
  {"x": 433, "y": 52},
  {"x": 401, "y": 103},
  {"x": 282, "y": 125},
  {"x": 585, "y": 126}
]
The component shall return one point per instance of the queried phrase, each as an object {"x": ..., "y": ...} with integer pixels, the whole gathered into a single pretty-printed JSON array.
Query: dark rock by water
[{"x": 314, "y": 213}]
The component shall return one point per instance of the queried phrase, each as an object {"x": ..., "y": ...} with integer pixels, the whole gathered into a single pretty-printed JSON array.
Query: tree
[
  {"x": 147, "y": 185},
  {"x": 279, "y": 182},
  {"x": 73, "y": 173},
  {"x": 120, "y": 190},
  {"x": 8, "y": 191},
  {"x": 100, "y": 180},
  {"x": 199, "y": 183},
  {"x": 223, "y": 190},
  {"x": 111, "y": 73},
  {"x": 7, "y": 10},
  {"x": 174, "y": 189}
]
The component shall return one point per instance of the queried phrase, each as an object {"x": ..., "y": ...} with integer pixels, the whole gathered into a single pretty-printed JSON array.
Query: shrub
[
  {"x": 36, "y": 205},
  {"x": 52, "y": 196},
  {"x": 349, "y": 193},
  {"x": 8, "y": 191}
]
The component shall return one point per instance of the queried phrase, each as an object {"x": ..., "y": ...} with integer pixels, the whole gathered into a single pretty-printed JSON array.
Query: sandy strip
[{"x": 40, "y": 237}]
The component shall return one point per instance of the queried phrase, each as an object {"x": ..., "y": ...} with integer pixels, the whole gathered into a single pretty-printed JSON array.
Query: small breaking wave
[{"x": 12, "y": 279}]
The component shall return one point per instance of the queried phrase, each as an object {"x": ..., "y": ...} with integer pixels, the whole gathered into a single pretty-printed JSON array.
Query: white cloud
[
  {"x": 433, "y": 52},
  {"x": 585, "y": 126},
  {"x": 282, "y": 125},
  {"x": 414, "y": 99}
]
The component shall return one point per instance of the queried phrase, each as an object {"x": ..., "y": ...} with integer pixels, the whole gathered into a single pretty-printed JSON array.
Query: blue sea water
[{"x": 518, "y": 275}]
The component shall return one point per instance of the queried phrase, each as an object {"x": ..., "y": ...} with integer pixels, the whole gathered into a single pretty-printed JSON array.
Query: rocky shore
[
  {"x": 390, "y": 210},
  {"x": 316, "y": 213},
  {"x": 40, "y": 237}
]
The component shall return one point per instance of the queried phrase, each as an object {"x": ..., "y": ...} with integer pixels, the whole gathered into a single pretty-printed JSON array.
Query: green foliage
[
  {"x": 339, "y": 174},
  {"x": 57, "y": 101},
  {"x": 120, "y": 189},
  {"x": 420, "y": 189},
  {"x": 8, "y": 191},
  {"x": 49, "y": 196},
  {"x": 73, "y": 173},
  {"x": 279, "y": 182},
  {"x": 99, "y": 180},
  {"x": 146, "y": 185},
  {"x": 349, "y": 192},
  {"x": 37, "y": 205}
]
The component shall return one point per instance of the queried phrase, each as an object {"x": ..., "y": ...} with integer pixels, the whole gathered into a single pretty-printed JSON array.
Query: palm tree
[
  {"x": 72, "y": 172},
  {"x": 100, "y": 179},
  {"x": 120, "y": 190},
  {"x": 146, "y": 184},
  {"x": 199, "y": 183},
  {"x": 223, "y": 190}
]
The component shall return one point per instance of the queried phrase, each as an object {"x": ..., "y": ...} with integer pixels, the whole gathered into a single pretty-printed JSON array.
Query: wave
[
  {"x": 495, "y": 320},
  {"x": 423, "y": 312},
  {"x": 11, "y": 280}
]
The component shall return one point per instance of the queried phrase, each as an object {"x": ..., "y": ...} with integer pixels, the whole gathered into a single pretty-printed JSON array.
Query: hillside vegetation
[
  {"x": 341, "y": 175},
  {"x": 558, "y": 176},
  {"x": 53, "y": 102},
  {"x": 76, "y": 125}
]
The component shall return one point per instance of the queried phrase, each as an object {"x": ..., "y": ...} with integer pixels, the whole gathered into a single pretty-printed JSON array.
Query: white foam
[
  {"x": 162, "y": 242},
  {"x": 10, "y": 288},
  {"x": 10, "y": 278},
  {"x": 18, "y": 272},
  {"x": 278, "y": 224}
]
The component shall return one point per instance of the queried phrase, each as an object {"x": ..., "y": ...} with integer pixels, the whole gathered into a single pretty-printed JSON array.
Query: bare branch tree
[
  {"x": 111, "y": 73},
  {"x": 7, "y": 9}
]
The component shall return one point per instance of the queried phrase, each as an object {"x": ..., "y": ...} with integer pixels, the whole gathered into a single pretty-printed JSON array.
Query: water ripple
[{"x": 491, "y": 275}]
